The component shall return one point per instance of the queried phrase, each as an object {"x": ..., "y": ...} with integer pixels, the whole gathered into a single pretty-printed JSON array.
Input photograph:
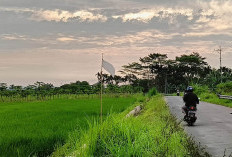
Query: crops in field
[
  {"x": 39, "y": 127},
  {"x": 152, "y": 133}
]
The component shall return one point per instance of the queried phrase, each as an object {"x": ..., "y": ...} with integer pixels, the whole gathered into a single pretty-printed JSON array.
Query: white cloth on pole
[{"x": 108, "y": 67}]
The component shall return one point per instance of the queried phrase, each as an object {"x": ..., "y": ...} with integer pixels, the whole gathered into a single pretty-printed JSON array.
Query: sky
[{"x": 61, "y": 41}]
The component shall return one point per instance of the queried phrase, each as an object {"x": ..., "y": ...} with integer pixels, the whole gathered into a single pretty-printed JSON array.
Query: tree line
[
  {"x": 168, "y": 75},
  {"x": 153, "y": 70},
  {"x": 45, "y": 91}
]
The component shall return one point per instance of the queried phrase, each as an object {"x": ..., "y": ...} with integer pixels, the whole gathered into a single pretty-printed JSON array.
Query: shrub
[
  {"x": 199, "y": 89},
  {"x": 152, "y": 92},
  {"x": 224, "y": 88}
]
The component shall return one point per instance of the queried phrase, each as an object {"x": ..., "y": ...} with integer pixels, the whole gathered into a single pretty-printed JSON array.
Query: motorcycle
[{"x": 190, "y": 117}]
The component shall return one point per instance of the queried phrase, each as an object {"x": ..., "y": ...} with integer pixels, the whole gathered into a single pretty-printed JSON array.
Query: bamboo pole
[{"x": 101, "y": 87}]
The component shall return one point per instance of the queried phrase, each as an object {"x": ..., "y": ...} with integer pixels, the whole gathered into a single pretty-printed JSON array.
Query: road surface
[{"x": 213, "y": 128}]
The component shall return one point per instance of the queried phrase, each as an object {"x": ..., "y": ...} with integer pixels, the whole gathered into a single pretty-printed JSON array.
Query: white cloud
[
  {"x": 13, "y": 37},
  {"x": 16, "y": 10},
  {"x": 148, "y": 15},
  {"x": 58, "y": 15},
  {"x": 203, "y": 19},
  {"x": 221, "y": 12},
  {"x": 135, "y": 39},
  {"x": 138, "y": 38},
  {"x": 144, "y": 16},
  {"x": 207, "y": 14},
  {"x": 64, "y": 16},
  {"x": 65, "y": 39}
]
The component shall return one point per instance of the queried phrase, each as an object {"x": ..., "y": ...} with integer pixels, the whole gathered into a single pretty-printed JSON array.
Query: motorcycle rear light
[{"x": 192, "y": 108}]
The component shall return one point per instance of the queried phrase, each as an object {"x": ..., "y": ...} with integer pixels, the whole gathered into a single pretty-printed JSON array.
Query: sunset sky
[{"x": 61, "y": 41}]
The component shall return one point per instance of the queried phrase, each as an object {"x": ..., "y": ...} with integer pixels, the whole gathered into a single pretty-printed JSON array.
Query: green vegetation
[
  {"x": 152, "y": 92},
  {"x": 153, "y": 133},
  {"x": 153, "y": 70},
  {"x": 38, "y": 118},
  {"x": 225, "y": 88},
  {"x": 170, "y": 75},
  {"x": 38, "y": 127},
  {"x": 46, "y": 91},
  {"x": 210, "y": 96}
]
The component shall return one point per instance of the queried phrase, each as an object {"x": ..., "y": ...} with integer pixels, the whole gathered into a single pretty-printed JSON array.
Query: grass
[
  {"x": 38, "y": 127},
  {"x": 207, "y": 95},
  {"x": 213, "y": 98},
  {"x": 153, "y": 133}
]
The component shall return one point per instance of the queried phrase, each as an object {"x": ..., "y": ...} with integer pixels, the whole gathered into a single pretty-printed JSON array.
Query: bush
[
  {"x": 199, "y": 89},
  {"x": 152, "y": 92},
  {"x": 224, "y": 88}
]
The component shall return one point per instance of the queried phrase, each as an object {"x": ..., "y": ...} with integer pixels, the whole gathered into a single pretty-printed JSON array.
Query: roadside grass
[
  {"x": 153, "y": 133},
  {"x": 37, "y": 128},
  {"x": 213, "y": 98},
  {"x": 207, "y": 95}
]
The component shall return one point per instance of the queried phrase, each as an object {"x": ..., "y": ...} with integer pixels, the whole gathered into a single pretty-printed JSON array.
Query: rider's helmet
[{"x": 189, "y": 89}]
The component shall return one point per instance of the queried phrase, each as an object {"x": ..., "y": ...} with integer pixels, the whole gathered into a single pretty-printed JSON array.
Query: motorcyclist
[{"x": 190, "y": 99}]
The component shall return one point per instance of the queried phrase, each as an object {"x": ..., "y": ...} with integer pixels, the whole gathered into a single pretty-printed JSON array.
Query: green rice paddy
[{"x": 39, "y": 127}]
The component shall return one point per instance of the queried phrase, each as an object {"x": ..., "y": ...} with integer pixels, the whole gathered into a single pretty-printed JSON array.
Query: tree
[
  {"x": 132, "y": 71},
  {"x": 194, "y": 67},
  {"x": 3, "y": 86}
]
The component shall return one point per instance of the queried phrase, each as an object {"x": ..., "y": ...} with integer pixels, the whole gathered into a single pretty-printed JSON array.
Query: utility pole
[
  {"x": 166, "y": 83},
  {"x": 220, "y": 52}
]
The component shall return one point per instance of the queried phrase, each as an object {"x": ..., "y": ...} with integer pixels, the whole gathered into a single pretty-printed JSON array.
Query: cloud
[
  {"x": 86, "y": 41},
  {"x": 138, "y": 39},
  {"x": 217, "y": 14},
  {"x": 15, "y": 9},
  {"x": 65, "y": 16},
  {"x": 144, "y": 16},
  {"x": 124, "y": 29},
  {"x": 13, "y": 37},
  {"x": 209, "y": 14},
  {"x": 161, "y": 13},
  {"x": 58, "y": 15},
  {"x": 133, "y": 39},
  {"x": 65, "y": 39}
]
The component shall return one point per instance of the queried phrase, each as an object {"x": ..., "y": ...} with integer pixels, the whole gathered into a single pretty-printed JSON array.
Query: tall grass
[
  {"x": 153, "y": 133},
  {"x": 152, "y": 92},
  {"x": 37, "y": 128},
  {"x": 205, "y": 94},
  {"x": 213, "y": 98}
]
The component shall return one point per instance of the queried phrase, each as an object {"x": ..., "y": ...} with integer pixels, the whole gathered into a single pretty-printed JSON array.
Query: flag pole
[{"x": 101, "y": 86}]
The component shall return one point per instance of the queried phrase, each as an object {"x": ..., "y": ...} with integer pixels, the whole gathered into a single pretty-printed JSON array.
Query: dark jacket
[{"x": 191, "y": 99}]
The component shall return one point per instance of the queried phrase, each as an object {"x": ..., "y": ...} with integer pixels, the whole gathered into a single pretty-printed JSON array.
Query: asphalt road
[{"x": 213, "y": 128}]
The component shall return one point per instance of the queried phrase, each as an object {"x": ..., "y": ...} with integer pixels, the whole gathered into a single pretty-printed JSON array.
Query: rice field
[
  {"x": 154, "y": 132},
  {"x": 37, "y": 128}
]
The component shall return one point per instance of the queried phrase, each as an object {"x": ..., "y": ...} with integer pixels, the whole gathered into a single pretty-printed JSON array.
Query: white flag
[{"x": 108, "y": 67}]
